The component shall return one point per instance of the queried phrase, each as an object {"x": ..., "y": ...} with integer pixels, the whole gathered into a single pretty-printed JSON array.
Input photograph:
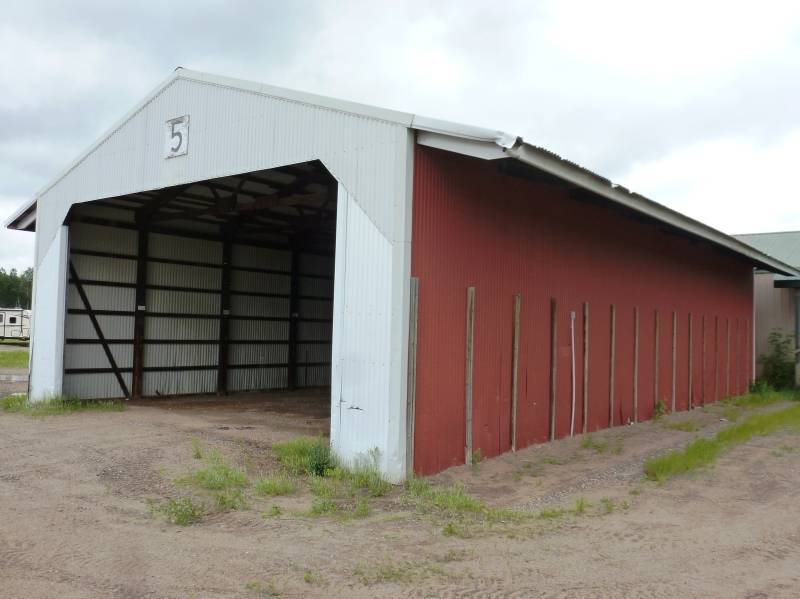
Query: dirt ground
[{"x": 75, "y": 518}]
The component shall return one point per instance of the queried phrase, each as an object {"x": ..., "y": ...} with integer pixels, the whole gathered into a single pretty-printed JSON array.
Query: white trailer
[{"x": 15, "y": 323}]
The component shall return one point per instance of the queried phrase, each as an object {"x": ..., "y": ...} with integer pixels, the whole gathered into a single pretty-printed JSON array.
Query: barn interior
[{"x": 218, "y": 287}]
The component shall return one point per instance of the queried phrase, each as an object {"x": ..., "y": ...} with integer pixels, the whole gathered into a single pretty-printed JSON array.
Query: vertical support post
[
  {"x": 291, "y": 368},
  {"x": 747, "y": 359},
  {"x": 703, "y": 369},
  {"x": 411, "y": 405},
  {"x": 553, "y": 364},
  {"x": 656, "y": 348},
  {"x": 738, "y": 383},
  {"x": 636, "y": 364},
  {"x": 140, "y": 313},
  {"x": 691, "y": 398},
  {"x": 515, "y": 369},
  {"x": 468, "y": 383},
  {"x": 728, "y": 357},
  {"x": 224, "y": 316},
  {"x": 612, "y": 351},
  {"x": 716, "y": 358},
  {"x": 585, "y": 367},
  {"x": 674, "y": 360}
]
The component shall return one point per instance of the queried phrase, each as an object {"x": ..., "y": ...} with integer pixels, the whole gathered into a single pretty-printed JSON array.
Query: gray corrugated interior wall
[{"x": 181, "y": 352}]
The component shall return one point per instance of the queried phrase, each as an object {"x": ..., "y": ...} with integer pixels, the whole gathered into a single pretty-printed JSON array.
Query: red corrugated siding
[{"x": 473, "y": 226}]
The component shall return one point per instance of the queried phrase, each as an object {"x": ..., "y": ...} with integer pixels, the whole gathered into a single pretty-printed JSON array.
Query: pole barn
[{"x": 453, "y": 289}]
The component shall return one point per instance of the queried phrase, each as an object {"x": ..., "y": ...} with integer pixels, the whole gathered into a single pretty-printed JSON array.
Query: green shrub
[{"x": 778, "y": 364}]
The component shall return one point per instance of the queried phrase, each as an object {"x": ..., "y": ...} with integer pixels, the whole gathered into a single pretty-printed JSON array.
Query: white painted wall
[
  {"x": 49, "y": 303},
  {"x": 367, "y": 399},
  {"x": 238, "y": 127}
]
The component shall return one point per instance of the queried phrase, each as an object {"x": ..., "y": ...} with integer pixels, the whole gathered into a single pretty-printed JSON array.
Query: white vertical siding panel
[{"x": 233, "y": 131}]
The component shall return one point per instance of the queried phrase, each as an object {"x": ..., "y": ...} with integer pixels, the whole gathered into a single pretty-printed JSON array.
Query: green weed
[
  {"x": 274, "y": 486},
  {"x": 229, "y": 500},
  {"x": 57, "y": 404},
  {"x": 262, "y": 589},
  {"x": 305, "y": 456},
  {"x": 217, "y": 475},
  {"x": 323, "y": 506},
  {"x": 580, "y": 505},
  {"x": 181, "y": 511},
  {"x": 703, "y": 452},
  {"x": 608, "y": 504},
  {"x": 687, "y": 426},
  {"x": 273, "y": 512},
  {"x": 197, "y": 448}
]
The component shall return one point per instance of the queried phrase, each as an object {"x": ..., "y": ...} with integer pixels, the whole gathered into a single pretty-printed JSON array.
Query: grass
[
  {"x": 687, "y": 426},
  {"x": 229, "y": 500},
  {"x": 273, "y": 512},
  {"x": 274, "y": 486},
  {"x": 580, "y": 505},
  {"x": 217, "y": 475},
  {"x": 14, "y": 359},
  {"x": 703, "y": 452},
  {"x": 181, "y": 511},
  {"x": 398, "y": 573},
  {"x": 453, "y": 500},
  {"x": 57, "y": 404},
  {"x": 304, "y": 456},
  {"x": 322, "y": 506},
  {"x": 608, "y": 504},
  {"x": 197, "y": 448},
  {"x": 551, "y": 513},
  {"x": 262, "y": 589}
]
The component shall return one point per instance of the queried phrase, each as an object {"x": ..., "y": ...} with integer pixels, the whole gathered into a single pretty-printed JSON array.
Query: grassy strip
[
  {"x": 703, "y": 452},
  {"x": 14, "y": 359},
  {"x": 57, "y": 404}
]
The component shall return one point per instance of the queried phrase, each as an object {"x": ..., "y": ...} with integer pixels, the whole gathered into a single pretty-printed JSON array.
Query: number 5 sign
[{"x": 176, "y": 137}]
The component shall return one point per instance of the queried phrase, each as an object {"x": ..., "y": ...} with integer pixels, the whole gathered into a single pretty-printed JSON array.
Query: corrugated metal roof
[
  {"x": 783, "y": 245},
  {"x": 473, "y": 140}
]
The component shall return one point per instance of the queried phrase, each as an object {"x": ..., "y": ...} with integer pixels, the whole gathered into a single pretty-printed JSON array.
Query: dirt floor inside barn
[{"x": 82, "y": 514}]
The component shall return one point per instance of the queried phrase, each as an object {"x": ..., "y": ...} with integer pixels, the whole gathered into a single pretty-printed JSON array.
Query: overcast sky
[{"x": 693, "y": 104}]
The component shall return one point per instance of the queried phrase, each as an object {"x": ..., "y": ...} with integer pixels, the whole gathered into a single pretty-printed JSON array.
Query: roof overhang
[
  {"x": 493, "y": 145},
  {"x": 24, "y": 219}
]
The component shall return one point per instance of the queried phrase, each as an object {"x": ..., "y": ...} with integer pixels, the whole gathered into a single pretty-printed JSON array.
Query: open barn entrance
[{"x": 219, "y": 286}]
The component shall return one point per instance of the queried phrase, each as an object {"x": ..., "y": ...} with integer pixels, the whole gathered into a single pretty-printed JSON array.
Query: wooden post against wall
[
  {"x": 612, "y": 351},
  {"x": 716, "y": 358},
  {"x": 636, "y": 364},
  {"x": 728, "y": 357},
  {"x": 738, "y": 383},
  {"x": 674, "y": 360},
  {"x": 468, "y": 383},
  {"x": 703, "y": 369},
  {"x": 137, "y": 375},
  {"x": 553, "y": 364},
  {"x": 411, "y": 400},
  {"x": 656, "y": 334},
  {"x": 691, "y": 341},
  {"x": 748, "y": 356},
  {"x": 515, "y": 369},
  {"x": 585, "y": 367}
]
